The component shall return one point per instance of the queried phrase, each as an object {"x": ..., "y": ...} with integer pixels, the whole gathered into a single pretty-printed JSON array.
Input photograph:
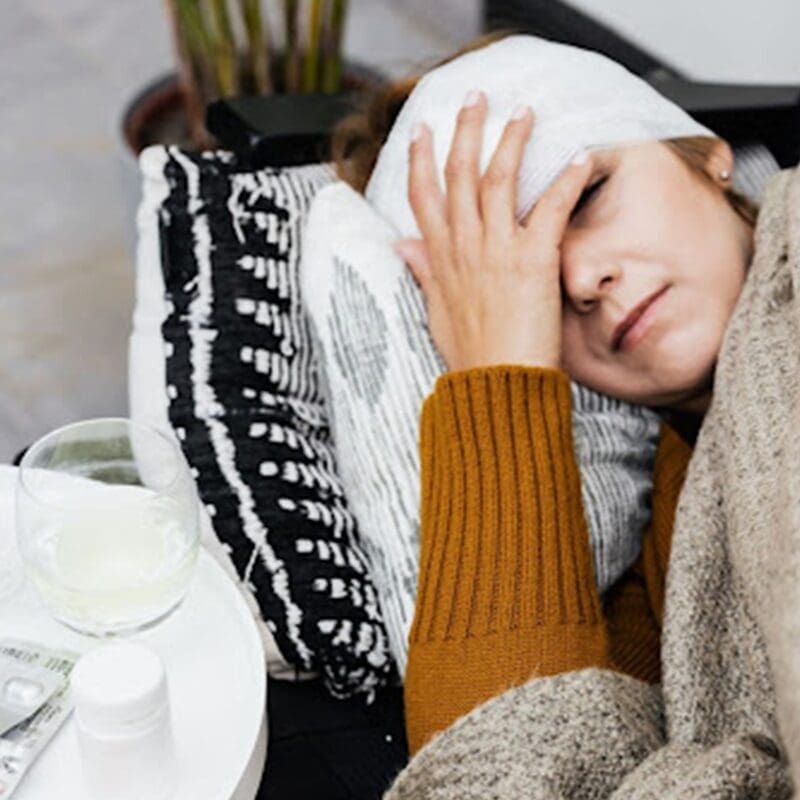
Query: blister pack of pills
[
  {"x": 34, "y": 701},
  {"x": 24, "y": 689}
]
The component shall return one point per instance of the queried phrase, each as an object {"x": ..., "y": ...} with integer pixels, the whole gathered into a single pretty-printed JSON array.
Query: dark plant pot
[
  {"x": 156, "y": 115},
  {"x": 295, "y": 125}
]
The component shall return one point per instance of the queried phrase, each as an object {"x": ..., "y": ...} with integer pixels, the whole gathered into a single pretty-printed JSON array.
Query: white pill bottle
[{"x": 123, "y": 723}]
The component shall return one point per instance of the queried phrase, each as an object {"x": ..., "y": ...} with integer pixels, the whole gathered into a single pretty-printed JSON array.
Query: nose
[{"x": 587, "y": 277}]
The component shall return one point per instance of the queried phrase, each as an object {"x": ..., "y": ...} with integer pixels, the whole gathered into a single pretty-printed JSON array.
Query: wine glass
[{"x": 107, "y": 525}]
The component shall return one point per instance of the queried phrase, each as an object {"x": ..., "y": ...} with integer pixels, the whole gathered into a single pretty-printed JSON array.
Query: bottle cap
[{"x": 119, "y": 688}]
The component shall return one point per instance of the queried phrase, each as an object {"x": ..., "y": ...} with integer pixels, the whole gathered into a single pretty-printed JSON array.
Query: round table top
[{"x": 216, "y": 674}]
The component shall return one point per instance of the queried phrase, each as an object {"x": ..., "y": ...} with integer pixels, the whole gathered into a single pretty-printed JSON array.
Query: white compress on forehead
[{"x": 581, "y": 100}]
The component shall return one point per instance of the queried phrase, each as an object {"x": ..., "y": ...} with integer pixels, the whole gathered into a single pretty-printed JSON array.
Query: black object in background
[
  {"x": 279, "y": 130},
  {"x": 286, "y": 130},
  {"x": 321, "y": 748}
]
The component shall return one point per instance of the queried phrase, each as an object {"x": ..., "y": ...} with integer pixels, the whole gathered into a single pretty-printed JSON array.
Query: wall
[
  {"x": 458, "y": 20},
  {"x": 725, "y": 40}
]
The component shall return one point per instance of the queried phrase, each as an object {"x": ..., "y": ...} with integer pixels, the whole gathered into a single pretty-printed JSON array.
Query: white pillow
[
  {"x": 147, "y": 388},
  {"x": 379, "y": 363}
]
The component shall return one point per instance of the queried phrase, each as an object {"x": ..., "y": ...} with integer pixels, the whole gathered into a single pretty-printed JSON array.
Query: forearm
[{"x": 506, "y": 587}]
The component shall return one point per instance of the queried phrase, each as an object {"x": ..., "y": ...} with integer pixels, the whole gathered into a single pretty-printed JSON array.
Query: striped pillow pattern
[{"x": 246, "y": 405}]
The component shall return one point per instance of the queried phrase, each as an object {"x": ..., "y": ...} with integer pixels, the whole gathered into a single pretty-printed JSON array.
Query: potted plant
[{"x": 230, "y": 52}]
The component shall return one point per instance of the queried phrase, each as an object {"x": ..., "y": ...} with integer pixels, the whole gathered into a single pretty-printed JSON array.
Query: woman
[{"x": 595, "y": 283}]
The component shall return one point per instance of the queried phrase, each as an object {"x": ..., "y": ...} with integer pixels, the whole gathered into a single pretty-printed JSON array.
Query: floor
[{"x": 66, "y": 222}]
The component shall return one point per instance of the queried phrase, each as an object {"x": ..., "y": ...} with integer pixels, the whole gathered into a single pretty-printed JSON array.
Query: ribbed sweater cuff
[
  {"x": 504, "y": 543},
  {"x": 446, "y": 680}
]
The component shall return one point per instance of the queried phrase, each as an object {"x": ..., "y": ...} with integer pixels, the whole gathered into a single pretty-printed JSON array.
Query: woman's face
[{"x": 651, "y": 229}]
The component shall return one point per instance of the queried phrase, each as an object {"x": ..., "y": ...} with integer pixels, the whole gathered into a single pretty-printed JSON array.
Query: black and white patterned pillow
[{"x": 245, "y": 403}]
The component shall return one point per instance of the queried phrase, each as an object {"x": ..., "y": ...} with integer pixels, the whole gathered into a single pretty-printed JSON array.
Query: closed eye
[{"x": 587, "y": 195}]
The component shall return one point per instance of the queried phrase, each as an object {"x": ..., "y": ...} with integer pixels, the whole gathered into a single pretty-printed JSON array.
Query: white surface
[
  {"x": 715, "y": 40},
  {"x": 451, "y": 19},
  {"x": 217, "y": 684}
]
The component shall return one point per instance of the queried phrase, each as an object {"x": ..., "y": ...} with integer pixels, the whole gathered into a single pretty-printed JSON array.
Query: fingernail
[
  {"x": 520, "y": 112},
  {"x": 416, "y": 131},
  {"x": 581, "y": 158},
  {"x": 471, "y": 98}
]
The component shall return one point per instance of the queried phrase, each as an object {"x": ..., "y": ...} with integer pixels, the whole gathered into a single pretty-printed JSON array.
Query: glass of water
[{"x": 107, "y": 525}]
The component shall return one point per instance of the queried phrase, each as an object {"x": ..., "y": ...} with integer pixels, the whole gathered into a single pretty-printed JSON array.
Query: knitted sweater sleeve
[{"x": 506, "y": 587}]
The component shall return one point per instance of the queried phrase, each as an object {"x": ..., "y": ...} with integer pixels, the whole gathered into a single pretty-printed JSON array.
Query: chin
[
  {"x": 683, "y": 378},
  {"x": 682, "y": 361},
  {"x": 676, "y": 369},
  {"x": 668, "y": 384}
]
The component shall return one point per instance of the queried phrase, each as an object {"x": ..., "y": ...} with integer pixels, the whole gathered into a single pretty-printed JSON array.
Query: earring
[{"x": 724, "y": 174}]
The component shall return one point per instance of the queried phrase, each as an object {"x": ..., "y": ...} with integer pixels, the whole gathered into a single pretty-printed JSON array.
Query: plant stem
[
  {"x": 292, "y": 51},
  {"x": 332, "y": 47},
  {"x": 223, "y": 48},
  {"x": 194, "y": 31},
  {"x": 311, "y": 60},
  {"x": 189, "y": 49},
  {"x": 259, "y": 49}
]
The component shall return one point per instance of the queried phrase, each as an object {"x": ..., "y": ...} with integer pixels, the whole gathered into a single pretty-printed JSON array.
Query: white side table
[{"x": 217, "y": 682}]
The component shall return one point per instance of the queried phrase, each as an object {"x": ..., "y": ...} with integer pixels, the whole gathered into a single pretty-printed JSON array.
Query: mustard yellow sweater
[{"x": 506, "y": 586}]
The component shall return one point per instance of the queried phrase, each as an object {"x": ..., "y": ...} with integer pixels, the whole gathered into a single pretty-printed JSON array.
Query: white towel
[{"x": 580, "y": 99}]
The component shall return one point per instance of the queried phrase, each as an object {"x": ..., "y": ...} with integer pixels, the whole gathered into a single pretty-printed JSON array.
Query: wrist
[
  {"x": 506, "y": 369},
  {"x": 544, "y": 361}
]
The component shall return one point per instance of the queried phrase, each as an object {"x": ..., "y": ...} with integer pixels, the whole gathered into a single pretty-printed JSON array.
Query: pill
[{"x": 22, "y": 691}]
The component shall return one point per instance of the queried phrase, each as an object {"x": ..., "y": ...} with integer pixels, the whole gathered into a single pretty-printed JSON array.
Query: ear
[{"x": 720, "y": 160}]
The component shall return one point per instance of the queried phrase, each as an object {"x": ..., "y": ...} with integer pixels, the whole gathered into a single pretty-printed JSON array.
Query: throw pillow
[
  {"x": 147, "y": 385},
  {"x": 370, "y": 326},
  {"x": 244, "y": 402}
]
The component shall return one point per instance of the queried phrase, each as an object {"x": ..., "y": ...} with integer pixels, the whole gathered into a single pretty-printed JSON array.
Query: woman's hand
[{"x": 491, "y": 285}]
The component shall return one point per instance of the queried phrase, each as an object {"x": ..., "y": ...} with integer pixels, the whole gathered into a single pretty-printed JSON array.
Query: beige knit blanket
[{"x": 725, "y": 722}]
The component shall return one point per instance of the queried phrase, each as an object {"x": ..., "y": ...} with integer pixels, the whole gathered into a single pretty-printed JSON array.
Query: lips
[{"x": 632, "y": 318}]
